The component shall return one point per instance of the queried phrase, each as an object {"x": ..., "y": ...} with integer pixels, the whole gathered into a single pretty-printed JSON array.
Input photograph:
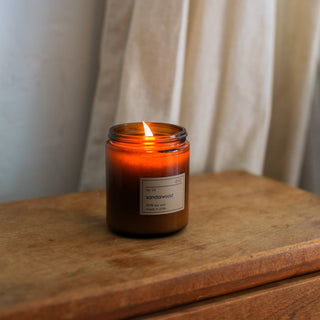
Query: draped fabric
[
  {"x": 239, "y": 75},
  {"x": 310, "y": 175},
  {"x": 296, "y": 58}
]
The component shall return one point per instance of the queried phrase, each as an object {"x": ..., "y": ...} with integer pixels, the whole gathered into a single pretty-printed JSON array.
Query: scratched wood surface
[{"x": 58, "y": 260}]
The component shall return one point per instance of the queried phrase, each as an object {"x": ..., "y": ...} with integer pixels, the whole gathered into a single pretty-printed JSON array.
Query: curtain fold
[
  {"x": 152, "y": 73},
  {"x": 228, "y": 83},
  {"x": 239, "y": 75},
  {"x": 296, "y": 56},
  {"x": 310, "y": 175},
  {"x": 113, "y": 43}
]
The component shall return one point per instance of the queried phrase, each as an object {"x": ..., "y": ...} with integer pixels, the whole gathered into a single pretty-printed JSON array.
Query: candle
[{"x": 147, "y": 175}]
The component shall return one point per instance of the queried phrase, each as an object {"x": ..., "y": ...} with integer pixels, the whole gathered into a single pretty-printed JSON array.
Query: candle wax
[{"x": 125, "y": 168}]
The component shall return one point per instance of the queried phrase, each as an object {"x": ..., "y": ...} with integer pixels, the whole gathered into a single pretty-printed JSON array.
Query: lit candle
[{"x": 147, "y": 171}]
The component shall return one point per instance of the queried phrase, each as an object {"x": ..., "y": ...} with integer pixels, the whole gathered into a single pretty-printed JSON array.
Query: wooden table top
[{"x": 58, "y": 260}]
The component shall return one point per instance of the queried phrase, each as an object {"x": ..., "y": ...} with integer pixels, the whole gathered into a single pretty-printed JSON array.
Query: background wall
[{"x": 48, "y": 64}]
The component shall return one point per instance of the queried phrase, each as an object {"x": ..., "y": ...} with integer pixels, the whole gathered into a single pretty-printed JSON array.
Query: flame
[{"x": 147, "y": 130}]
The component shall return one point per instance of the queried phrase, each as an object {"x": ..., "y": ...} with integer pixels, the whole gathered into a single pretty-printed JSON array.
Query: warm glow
[{"x": 147, "y": 130}]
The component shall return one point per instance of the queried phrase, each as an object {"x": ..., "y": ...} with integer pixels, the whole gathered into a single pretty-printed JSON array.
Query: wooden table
[{"x": 251, "y": 251}]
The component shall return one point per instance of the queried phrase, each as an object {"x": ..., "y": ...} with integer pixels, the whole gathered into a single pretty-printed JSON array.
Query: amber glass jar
[{"x": 147, "y": 179}]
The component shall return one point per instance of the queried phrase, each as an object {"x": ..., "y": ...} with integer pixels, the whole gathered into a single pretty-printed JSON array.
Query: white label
[{"x": 162, "y": 195}]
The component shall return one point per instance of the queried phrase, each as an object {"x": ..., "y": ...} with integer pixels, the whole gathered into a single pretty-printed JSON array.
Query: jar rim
[{"x": 133, "y": 132}]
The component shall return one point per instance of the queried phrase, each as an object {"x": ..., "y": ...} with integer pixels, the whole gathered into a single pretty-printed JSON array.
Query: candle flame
[{"x": 147, "y": 130}]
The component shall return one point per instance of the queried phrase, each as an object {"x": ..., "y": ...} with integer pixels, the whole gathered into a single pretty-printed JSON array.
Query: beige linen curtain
[
  {"x": 238, "y": 74},
  {"x": 310, "y": 174}
]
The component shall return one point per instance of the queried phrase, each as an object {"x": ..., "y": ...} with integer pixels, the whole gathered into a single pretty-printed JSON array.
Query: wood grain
[
  {"x": 296, "y": 298},
  {"x": 58, "y": 260}
]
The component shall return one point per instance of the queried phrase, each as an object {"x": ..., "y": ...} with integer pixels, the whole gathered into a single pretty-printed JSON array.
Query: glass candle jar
[{"x": 147, "y": 179}]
